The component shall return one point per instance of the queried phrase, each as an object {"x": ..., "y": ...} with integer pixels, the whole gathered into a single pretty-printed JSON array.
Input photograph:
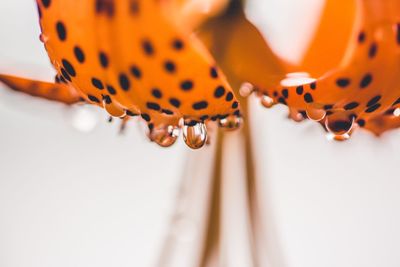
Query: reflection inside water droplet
[
  {"x": 267, "y": 101},
  {"x": 231, "y": 123},
  {"x": 195, "y": 136},
  {"x": 315, "y": 114},
  {"x": 164, "y": 136},
  {"x": 339, "y": 125}
]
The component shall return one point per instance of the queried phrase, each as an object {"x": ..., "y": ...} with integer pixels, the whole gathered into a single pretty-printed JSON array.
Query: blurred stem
[{"x": 230, "y": 201}]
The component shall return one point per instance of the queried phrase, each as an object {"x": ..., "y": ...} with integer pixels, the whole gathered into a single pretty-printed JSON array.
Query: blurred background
[{"x": 74, "y": 192}]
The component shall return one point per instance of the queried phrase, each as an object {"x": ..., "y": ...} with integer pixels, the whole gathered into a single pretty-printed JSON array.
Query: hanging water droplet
[
  {"x": 339, "y": 126},
  {"x": 246, "y": 89},
  {"x": 231, "y": 122},
  {"x": 164, "y": 136},
  {"x": 315, "y": 114},
  {"x": 267, "y": 101},
  {"x": 396, "y": 112},
  {"x": 83, "y": 118},
  {"x": 295, "y": 115},
  {"x": 43, "y": 38},
  {"x": 195, "y": 136}
]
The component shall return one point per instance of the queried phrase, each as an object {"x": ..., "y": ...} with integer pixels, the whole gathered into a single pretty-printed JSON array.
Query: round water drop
[
  {"x": 83, "y": 118},
  {"x": 267, "y": 101},
  {"x": 340, "y": 125},
  {"x": 231, "y": 123},
  {"x": 315, "y": 114},
  {"x": 246, "y": 89},
  {"x": 195, "y": 136},
  {"x": 164, "y": 136},
  {"x": 295, "y": 115},
  {"x": 43, "y": 38}
]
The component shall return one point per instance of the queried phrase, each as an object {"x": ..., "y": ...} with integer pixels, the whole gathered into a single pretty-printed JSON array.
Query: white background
[{"x": 69, "y": 198}]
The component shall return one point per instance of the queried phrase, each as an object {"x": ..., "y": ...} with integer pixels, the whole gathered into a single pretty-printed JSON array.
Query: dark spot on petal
[
  {"x": 308, "y": 98},
  {"x": 175, "y": 102},
  {"x": 103, "y": 59},
  {"x": 61, "y": 31},
  {"x": 177, "y": 44},
  {"x": 372, "y": 50},
  {"x": 79, "y": 55},
  {"x": 285, "y": 93},
  {"x": 200, "y": 105},
  {"x": 299, "y": 90},
  {"x": 124, "y": 82},
  {"x": 46, "y": 3},
  {"x": 169, "y": 66},
  {"x": 145, "y": 116},
  {"x": 351, "y": 105},
  {"x": 97, "y": 83},
  {"x": 111, "y": 90},
  {"x": 186, "y": 85},
  {"x": 373, "y": 108},
  {"x": 213, "y": 72},
  {"x": 156, "y": 93},
  {"x": 361, "y": 37},
  {"x": 93, "y": 99},
  {"x": 136, "y": 72},
  {"x": 365, "y": 81},
  {"x": 219, "y": 92},
  {"x": 374, "y": 100},
  {"x": 229, "y": 96},
  {"x": 361, "y": 122},
  {"x": 153, "y": 106},
  {"x": 343, "y": 82},
  {"x": 148, "y": 47},
  {"x": 68, "y": 67}
]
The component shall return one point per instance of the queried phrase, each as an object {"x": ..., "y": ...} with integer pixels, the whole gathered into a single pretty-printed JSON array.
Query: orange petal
[
  {"x": 366, "y": 83},
  {"x": 130, "y": 54},
  {"x": 59, "y": 92}
]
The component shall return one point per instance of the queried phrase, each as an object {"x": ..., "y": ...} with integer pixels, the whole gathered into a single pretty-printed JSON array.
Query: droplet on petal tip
[{"x": 195, "y": 136}]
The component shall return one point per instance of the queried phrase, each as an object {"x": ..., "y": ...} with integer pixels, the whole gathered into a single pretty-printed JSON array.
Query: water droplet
[
  {"x": 43, "y": 38},
  {"x": 164, "y": 136},
  {"x": 315, "y": 114},
  {"x": 339, "y": 125},
  {"x": 246, "y": 89},
  {"x": 195, "y": 136},
  {"x": 396, "y": 112},
  {"x": 83, "y": 118},
  {"x": 267, "y": 101},
  {"x": 295, "y": 115},
  {"x": 231, "y": 123}
]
